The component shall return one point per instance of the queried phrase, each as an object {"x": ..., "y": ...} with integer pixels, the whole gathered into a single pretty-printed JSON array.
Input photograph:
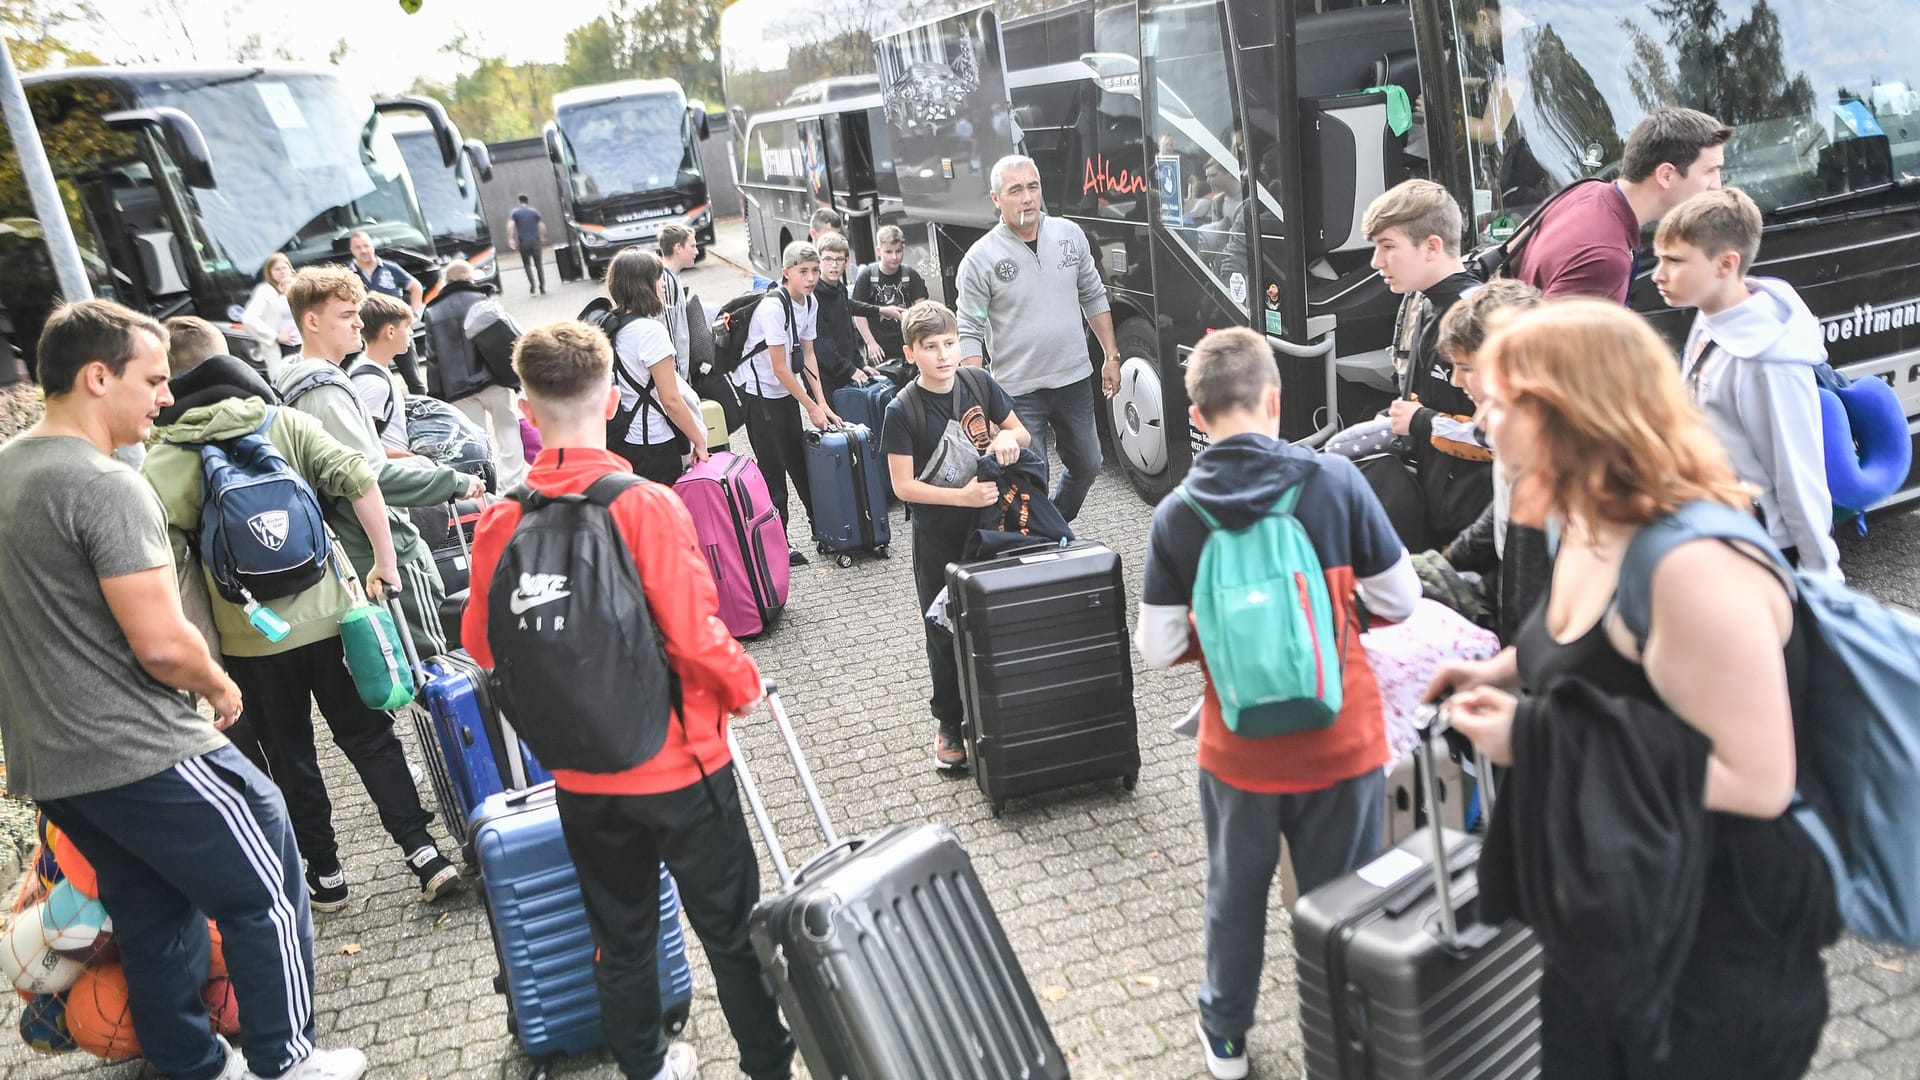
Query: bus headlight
[{"x": 593, "y": 239}]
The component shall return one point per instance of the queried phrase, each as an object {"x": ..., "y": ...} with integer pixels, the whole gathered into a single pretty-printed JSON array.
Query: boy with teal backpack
[{"x": 1253, "y": 565}]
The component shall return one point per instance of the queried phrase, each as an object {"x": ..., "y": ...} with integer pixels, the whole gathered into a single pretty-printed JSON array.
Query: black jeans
[
  {"x": 659, "y": 462},
  {"x": 779, "y": 445},
  {"x": 618, "y": 843},
  {"x": 530, "y": 261},
  {"x": 408, "y": 365},
  {"x": 275, "y": 731},
  {"x": 931, "y": 554}
]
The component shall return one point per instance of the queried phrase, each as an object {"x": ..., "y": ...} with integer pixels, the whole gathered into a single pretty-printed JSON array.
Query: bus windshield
[
  {"x": 453, "y": 212},
  {"x": 300, "y": 163},
  {"x": 1548, "y": 90},
  {"x": 627, "y": 145}
]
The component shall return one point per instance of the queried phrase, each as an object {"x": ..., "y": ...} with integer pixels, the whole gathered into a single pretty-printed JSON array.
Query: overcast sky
[{"x": 387, "y": 47}]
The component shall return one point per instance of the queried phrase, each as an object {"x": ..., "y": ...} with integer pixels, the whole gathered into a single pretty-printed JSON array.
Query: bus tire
[{"x": 1135, "y": 416}]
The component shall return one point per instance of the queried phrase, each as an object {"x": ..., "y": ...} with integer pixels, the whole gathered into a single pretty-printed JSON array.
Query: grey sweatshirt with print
[{"x": 1024, "y": 308}]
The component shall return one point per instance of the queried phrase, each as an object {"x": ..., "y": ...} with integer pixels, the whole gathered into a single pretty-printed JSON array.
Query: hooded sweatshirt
[
  {"x": 1024, "y": 306},
  {"x": 1750, "y": 369},
  {"x": 1237, "y": 480},
  {"x": 337, "y": 473}
]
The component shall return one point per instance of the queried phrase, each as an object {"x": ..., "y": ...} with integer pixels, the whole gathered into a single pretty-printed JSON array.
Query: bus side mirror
[
  {"x": 552, "y": 135},
  {"x": 481, "y": 159},
  {"x": 445, "y": 135},
  {"x": 700, "y": 128},
  {"x": 183, "y": 138}
]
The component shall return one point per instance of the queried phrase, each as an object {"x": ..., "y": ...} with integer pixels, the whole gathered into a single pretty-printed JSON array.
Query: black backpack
[
  {"x": 600, "y": 313},
  {"x": 579, "y": 668},
  {"x": 1496, "y": 260},
  {"x": 734, "y": 324}
]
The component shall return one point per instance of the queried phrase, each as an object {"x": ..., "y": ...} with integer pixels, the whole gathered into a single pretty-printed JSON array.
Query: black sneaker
[
  {"x": 438, "y": 877},
  {"x": 795, "y": 557},
  {"x": 327, "y": 892}
]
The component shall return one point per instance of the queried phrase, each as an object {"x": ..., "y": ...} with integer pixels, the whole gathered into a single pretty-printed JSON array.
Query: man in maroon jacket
[{"x": 1585, "y": 245}]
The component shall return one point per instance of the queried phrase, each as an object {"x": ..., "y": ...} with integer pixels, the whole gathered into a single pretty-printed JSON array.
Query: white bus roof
[{"x": 583, "y": 95}]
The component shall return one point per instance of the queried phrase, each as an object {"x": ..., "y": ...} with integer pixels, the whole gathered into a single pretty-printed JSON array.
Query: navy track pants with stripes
[{"x": 208, "y": 837}]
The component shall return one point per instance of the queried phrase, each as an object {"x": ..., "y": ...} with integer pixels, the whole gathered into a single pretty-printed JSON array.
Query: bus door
[{"x": 813, "y": 151}]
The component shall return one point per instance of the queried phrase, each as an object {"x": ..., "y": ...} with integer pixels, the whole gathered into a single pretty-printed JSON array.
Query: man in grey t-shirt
[{"x": 96, "y": 659}]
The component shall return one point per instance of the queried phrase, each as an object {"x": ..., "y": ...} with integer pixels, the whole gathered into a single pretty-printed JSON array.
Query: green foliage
[
  {"x": 495, "y": 100},
  {"x": 33, "y": 30}
]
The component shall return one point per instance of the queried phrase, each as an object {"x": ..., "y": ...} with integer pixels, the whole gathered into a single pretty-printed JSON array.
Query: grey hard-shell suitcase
[
  {"x": 886, "y": 956},
  {"x": 1399, "y": 978}
]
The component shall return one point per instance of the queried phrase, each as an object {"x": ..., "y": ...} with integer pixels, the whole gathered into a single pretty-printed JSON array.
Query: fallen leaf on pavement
[
  {"x": 1148, "y": 981},
  {"x": 350, "y": 948},
  {"x": 1894, "y": 966},
  {"x": 1054, "y": 993}
]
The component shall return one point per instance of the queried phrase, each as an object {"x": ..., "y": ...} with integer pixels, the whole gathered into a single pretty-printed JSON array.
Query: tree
[
  {"x": 656, "y": 39},
  {"x": 35, "y": 31}
]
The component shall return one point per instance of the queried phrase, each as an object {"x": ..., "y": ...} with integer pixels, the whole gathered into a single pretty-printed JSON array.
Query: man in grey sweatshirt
[{"x": 1024, "y": 289}]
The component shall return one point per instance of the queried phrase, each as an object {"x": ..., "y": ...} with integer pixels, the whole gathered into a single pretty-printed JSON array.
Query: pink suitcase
[{"x": 743, "y": 538}]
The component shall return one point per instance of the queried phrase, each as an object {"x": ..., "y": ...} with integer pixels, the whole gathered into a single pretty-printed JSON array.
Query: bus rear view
[{"x": 626, "y": 159}]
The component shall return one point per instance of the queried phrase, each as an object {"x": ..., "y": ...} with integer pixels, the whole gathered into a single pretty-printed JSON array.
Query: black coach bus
[
  {"x": 180, "y": 182},
  {"x": 450, "y": 196},
  {"x": 626, "y": 158},
  {"x": 1219, "y": 154}
]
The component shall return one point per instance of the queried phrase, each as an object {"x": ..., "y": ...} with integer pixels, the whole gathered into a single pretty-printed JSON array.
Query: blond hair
[
  {"x": 1620, "y": 441},
  {"x": 1419, "y": 208},
  {"x": 890, "y": 234},
  {"x": 312, "y": 287},
  {"x": 928, "y": 318},
  {"x": 833, "y": 242},
  {"x": 266, "y": 270},
  {"x": 1716, "y": 222},
  {"x": 190, "y": 340},
  {"x": 567, "y": 362},
  {"x": 1230, "y": 369},
  {"x": 457, "y": 270}
]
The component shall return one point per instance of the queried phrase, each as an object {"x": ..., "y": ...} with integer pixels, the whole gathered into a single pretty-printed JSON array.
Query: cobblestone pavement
[{"x": 1099, "y": 890}]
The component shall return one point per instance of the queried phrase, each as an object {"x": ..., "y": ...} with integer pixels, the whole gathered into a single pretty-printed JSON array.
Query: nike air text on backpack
[
  {"x": 578, "y": 666},
  {"x": 1267, "y": 626},
  {"x": 1857, "y": 736},
  {"x": 262, "y": 534}
]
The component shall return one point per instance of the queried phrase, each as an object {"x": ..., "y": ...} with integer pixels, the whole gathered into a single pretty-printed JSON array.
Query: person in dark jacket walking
[
  {"x": 1587, "y": 412},
  {"x": 843, "y": 356},
  {"x": 479, "y": 382}
]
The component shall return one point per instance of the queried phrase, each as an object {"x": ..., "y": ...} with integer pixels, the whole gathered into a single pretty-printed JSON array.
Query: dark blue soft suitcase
[
  {"x": 540, "y": 932},
  {"x": 864, "y": 405},
  {"x": 848, "y": 476},
  {"x": 463, "y": 743}
]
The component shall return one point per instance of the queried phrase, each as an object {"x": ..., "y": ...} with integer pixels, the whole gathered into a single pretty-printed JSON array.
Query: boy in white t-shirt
[
  {"x": 771, "y": 383},
  {"x": 386, "y": 325}
]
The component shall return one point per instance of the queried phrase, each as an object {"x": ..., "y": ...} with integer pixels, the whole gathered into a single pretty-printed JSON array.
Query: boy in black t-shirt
[
  {"x": 887, "y": 284},
  {"x": 933, "y": 437}
]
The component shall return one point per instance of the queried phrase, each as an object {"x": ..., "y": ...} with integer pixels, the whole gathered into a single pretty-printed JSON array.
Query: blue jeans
[
  {"x": 1069, "y": 410},
  {"x": 1330, "y": 832},
  {"x": 206, "y": 838}
]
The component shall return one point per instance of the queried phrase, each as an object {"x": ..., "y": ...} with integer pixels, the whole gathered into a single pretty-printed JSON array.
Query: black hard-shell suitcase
[
  {"x": 1399, "y": 978},
  {"x": 1046, "y": 673},
  {"x": 566, "y": 260},
  {"x": 886, "y": 956}
]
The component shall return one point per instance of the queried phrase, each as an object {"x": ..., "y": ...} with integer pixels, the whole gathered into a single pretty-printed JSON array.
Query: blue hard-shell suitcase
[
  {"x": 540, "y": 932},
  {"x": 848, "y": 477},
  {"x": 463, "y": 744},
  {"x": 864, "y": 405}
]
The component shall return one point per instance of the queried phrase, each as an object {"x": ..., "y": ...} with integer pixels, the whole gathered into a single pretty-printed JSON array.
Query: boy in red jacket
[{"x": 681, "y": 806}]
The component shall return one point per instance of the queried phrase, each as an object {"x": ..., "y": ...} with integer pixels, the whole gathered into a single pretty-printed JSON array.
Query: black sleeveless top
[{"x": 1768, "y": 906}]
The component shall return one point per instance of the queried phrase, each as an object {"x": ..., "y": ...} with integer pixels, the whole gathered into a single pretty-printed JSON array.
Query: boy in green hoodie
[
  {"x": 325, "y": 301},
  {"x": 220, "y": 399}
]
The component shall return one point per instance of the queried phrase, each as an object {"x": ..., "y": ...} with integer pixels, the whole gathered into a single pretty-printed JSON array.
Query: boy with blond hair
[
  {"x": 887, "y": 283},
  {"x": 964, "y": 413},
  {"x": 1749, "y": 364},
  {"x": 681, "y": 806}
]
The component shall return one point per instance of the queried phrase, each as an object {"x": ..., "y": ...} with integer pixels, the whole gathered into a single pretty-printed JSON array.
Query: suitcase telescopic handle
[
  {"x": 406, "y": 641},
  {"x": 1432, "y": 722},
  {"x": 461, "y": 534},
  {"x": 759, "y": 807}
]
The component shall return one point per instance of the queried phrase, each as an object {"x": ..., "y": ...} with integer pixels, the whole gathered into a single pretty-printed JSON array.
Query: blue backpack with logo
[
  {"x": 1858, "y": 735},
  {"x": 262, "y": 534}
]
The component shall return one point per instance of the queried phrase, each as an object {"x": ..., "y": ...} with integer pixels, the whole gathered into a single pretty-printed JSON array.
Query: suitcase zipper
[{"x": 762, "y": 597}]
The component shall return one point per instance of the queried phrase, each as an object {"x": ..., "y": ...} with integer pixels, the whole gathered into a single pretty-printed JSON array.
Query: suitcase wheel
[
  {"x": 820, "y": 546},
  {"x": 843, "y": 561},
  {"x": 676, "y": 1019},
  {"x": 500, "y": 987},
  {"x": 1131, "y": 780},
  {"x": 883, "y": 552}
]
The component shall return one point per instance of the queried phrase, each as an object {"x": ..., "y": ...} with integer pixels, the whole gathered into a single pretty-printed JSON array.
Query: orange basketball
[
  {"x": 223, "y": 1009},
  {"x": 97, "y": 1014},
  {"x": 217, "y": 958},
  {"x": 73, "y": 865}
]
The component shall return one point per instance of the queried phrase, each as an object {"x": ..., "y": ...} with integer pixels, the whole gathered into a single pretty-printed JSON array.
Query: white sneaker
[
  {"x": 236, "y": 1064},
  {"x": 681, "y": 1064},
  {"x": 343, "y": 1064},
  {"x": 1188, "y": 726}
]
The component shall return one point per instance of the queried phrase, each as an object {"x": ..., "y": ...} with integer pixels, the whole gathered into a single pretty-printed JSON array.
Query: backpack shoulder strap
[
  {"x": 330, "y": 376},
  {"x": 1700, "y": 520},
  {"x": 975, "y": 378},
  {"x": 604, "y": 491},
  {"x": 1193, "y": 504},
  {"x": 1511, "y": 248}
]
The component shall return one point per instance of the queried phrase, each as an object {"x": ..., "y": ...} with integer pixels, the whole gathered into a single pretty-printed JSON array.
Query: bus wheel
[{"x": 1136, "y": 418}]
